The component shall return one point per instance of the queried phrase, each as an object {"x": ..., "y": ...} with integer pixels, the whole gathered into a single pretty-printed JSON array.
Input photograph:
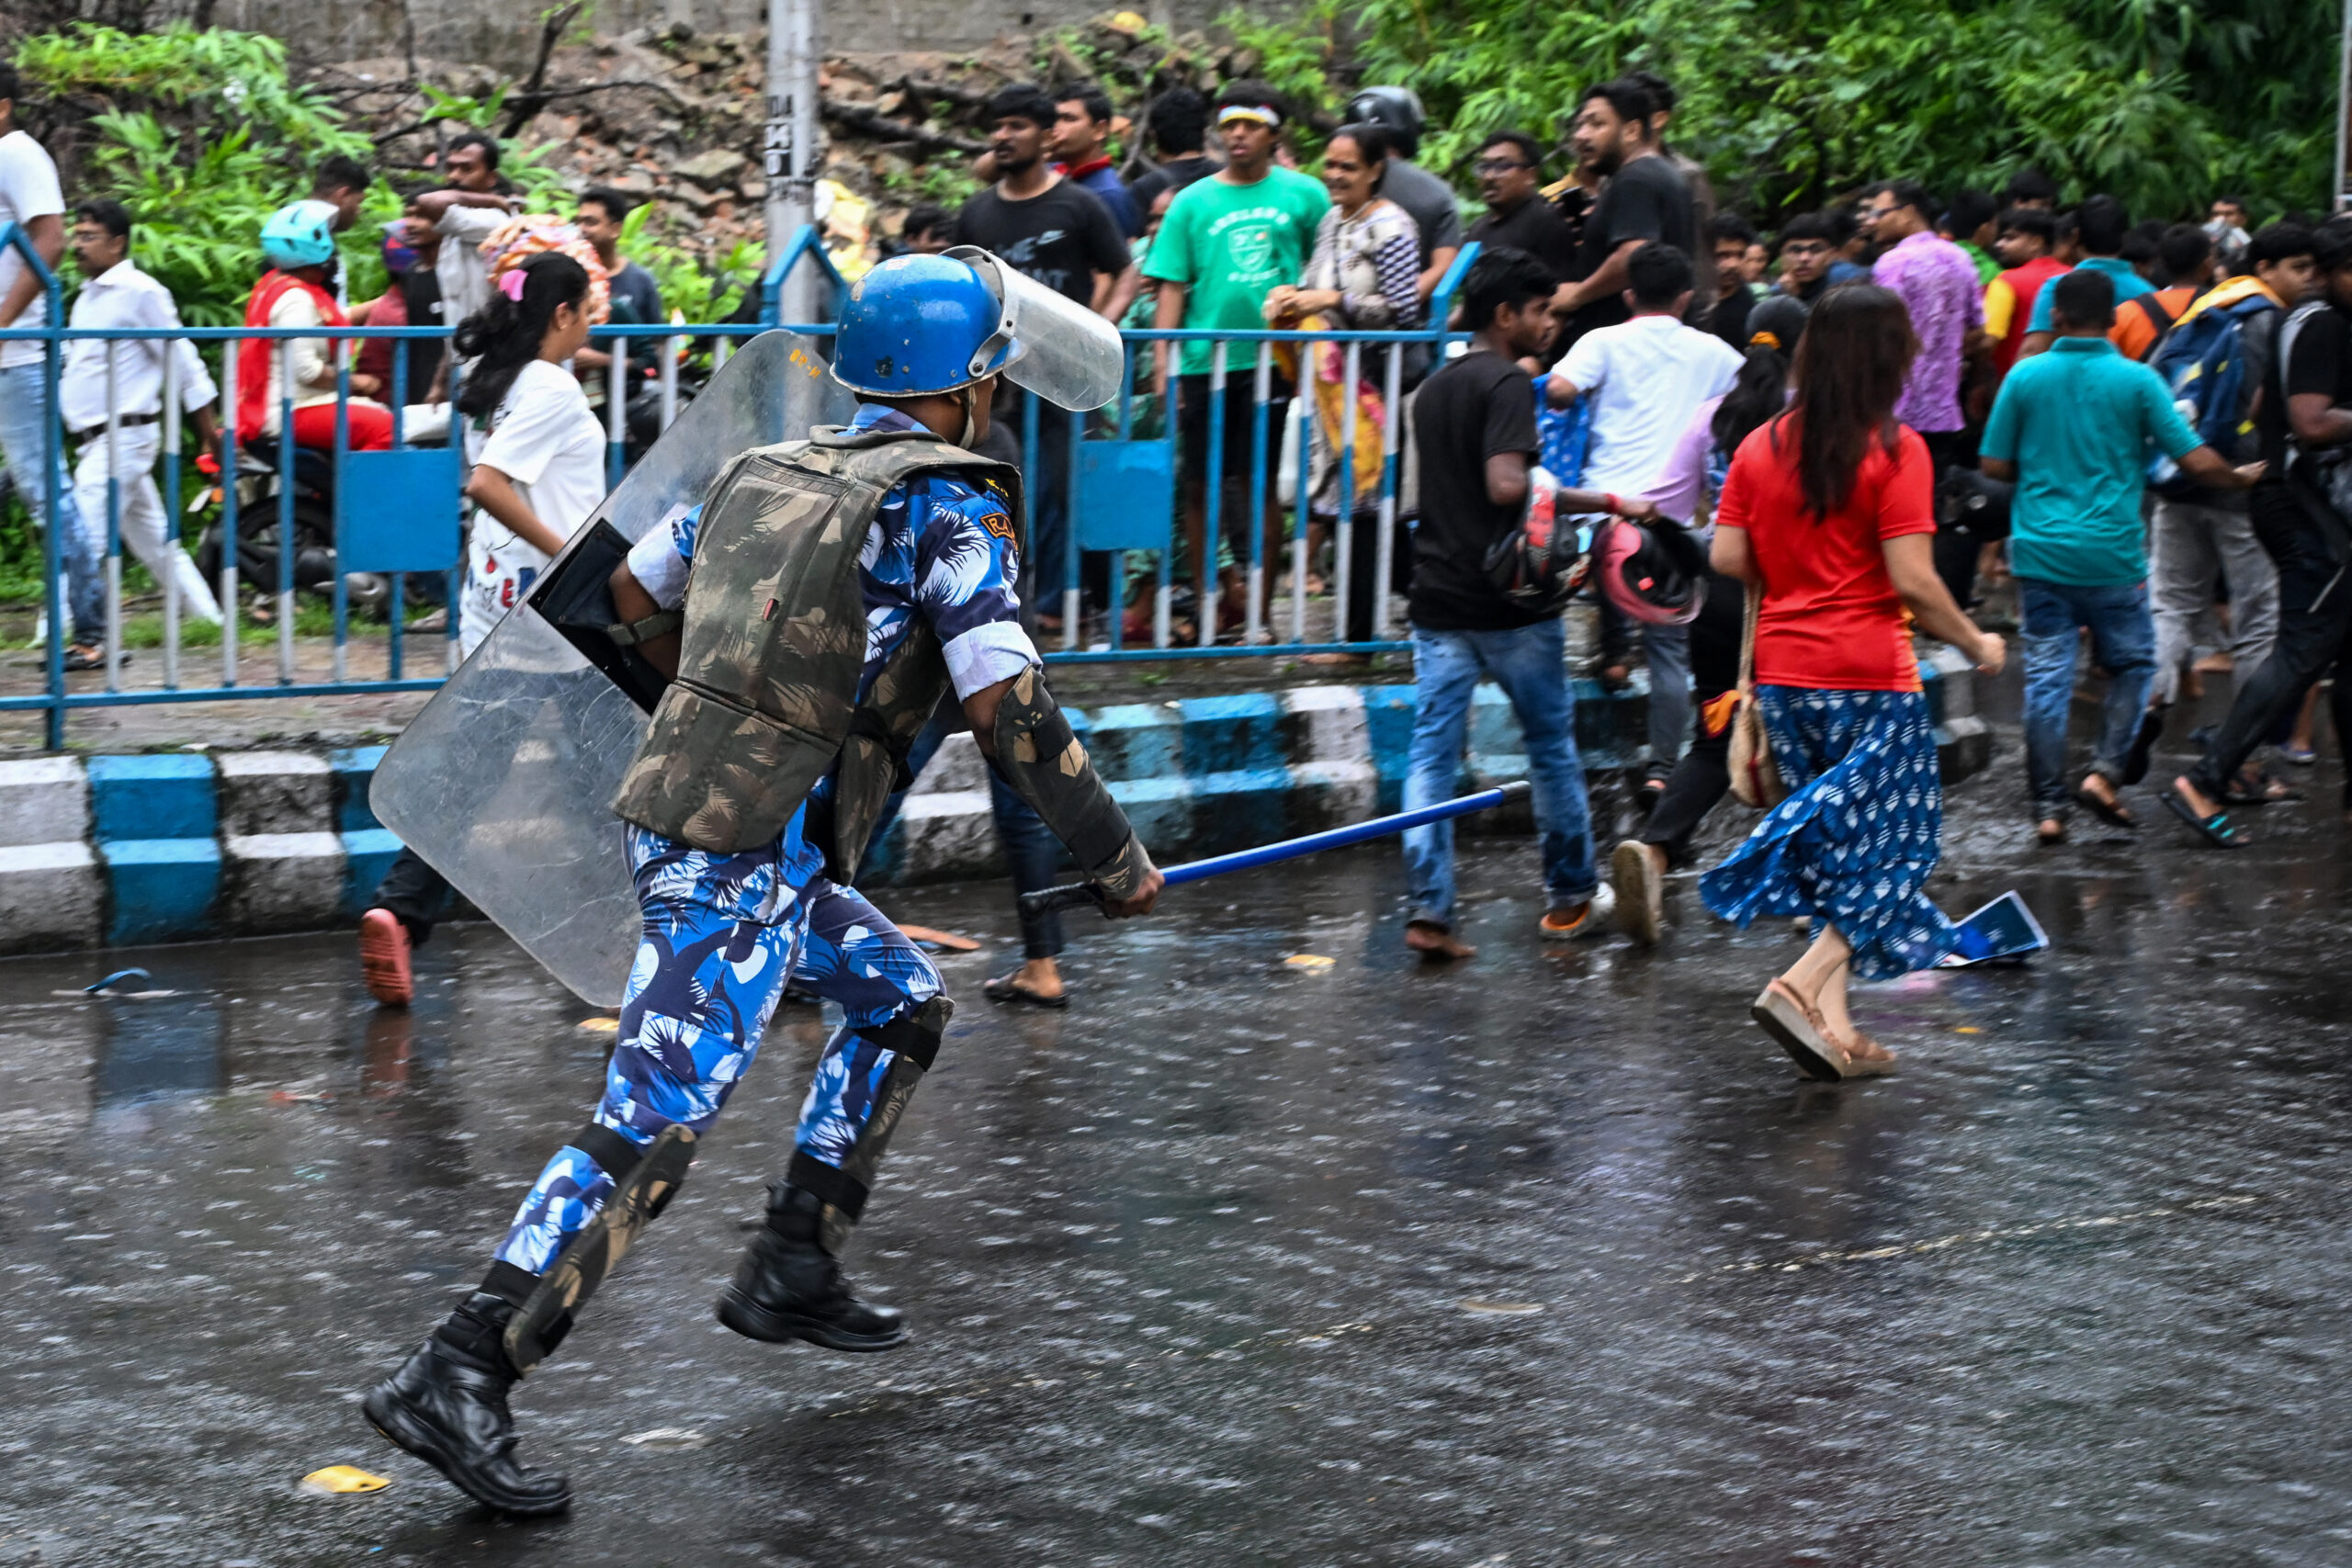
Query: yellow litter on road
[
  {"x": 339, "y": 1478},
  {"x": 600, "y": 1026},
  {"x": 1309, "y": 960}
]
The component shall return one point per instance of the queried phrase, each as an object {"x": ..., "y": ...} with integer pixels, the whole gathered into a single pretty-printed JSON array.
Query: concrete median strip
[{"x": 124, "y": 850}]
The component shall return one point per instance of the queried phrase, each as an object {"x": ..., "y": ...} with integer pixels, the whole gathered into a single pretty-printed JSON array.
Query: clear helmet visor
[{"x": 1059, "y": 349}]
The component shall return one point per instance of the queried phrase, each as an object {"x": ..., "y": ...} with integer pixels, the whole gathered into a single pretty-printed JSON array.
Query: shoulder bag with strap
[{"x": 1755, "y": 776}]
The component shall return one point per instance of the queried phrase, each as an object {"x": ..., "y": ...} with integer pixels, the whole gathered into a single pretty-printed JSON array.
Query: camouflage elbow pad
[{"x": 1043, "y": 762}]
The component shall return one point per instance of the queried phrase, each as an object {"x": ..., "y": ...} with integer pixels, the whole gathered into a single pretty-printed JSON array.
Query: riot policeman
[{"x": 807, "y": 617}]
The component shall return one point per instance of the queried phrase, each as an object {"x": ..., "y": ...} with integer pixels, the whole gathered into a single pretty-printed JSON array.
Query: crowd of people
[
  {"x": 458, "y": 239},
  {"x": 2131, "y": 426},
  {"x": 2019, "y": 396}
]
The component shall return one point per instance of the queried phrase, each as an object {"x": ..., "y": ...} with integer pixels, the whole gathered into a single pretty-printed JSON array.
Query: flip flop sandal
[
  {"x": 2106, "y": 810},
  {"x": 1005, "y": 988},
  {"x": 2214, "y": 829},
  {"x": 2255, "y": 787},
  {"x": 1784, "y": 1016}
]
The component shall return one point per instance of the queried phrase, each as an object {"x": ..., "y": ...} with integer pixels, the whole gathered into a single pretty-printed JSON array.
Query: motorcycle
[{"x": 260, "y": 482}]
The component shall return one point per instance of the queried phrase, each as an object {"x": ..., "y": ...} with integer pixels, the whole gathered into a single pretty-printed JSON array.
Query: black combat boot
[
  {"x": 789, "y": 1285},
  {"x": 447, "y": 1407}
]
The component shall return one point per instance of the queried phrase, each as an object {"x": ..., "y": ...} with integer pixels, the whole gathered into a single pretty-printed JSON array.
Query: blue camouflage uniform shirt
[{"x": 940, "y": 548}]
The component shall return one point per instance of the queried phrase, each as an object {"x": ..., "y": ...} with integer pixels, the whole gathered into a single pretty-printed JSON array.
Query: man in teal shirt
[
  {"x": 2073, "y": 428},
  {"x": 2101, "y": 225},
  {"x": 1227, "y": 242}
]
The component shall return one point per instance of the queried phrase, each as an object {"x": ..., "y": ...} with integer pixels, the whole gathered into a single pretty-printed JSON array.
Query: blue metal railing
[{"x": 1104, "y": 464}]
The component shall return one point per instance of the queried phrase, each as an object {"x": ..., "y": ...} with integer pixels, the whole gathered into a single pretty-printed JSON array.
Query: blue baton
[{"x": 1076, "y": 894}]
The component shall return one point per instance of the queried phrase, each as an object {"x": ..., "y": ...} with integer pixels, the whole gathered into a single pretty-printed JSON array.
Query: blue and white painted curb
[{"x": 123, "y": 850}]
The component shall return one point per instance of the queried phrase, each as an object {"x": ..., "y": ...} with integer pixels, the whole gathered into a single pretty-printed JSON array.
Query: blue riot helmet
[{"x": 917, "y": 325}]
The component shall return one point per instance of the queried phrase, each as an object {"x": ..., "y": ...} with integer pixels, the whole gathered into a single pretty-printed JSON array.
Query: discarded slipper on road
[
  {"x": 1784, "y": 1016},
  {"x": 2215, "y": 830}
]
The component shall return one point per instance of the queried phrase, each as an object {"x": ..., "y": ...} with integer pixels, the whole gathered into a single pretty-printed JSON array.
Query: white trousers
[{"x": 143, "y": 518}]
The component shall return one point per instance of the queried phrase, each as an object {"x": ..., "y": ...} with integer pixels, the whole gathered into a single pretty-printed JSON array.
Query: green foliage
[
  {"x": 220, "y": 75},
  {"x": 702, "y": 294},
  {"x": 471, "y": 112},
  {"x": 206, "y": 135},
  {"x": 1294, "y": 55},
  {"x": 1790, "y": 103},
  {"x": 206, "y": 138},
  {"x": 942, "y": 184}
]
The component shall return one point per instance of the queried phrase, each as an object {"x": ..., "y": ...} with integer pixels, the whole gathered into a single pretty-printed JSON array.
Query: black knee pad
[{"x": 912, "y": 1038}]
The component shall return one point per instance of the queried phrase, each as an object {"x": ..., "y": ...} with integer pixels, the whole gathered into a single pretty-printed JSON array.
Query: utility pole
[
  {"x": 790, "y": 146},
  {"x": 2335, "y": 197}
]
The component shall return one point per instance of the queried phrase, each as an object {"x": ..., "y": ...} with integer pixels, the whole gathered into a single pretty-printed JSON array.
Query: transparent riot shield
[
  {"x": 503, "y": 781},
  {"x": 1061, "y": 351}
]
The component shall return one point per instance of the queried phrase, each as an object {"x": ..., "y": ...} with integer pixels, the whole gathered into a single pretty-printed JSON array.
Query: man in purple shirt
[{"x": 1938, "y": 285}]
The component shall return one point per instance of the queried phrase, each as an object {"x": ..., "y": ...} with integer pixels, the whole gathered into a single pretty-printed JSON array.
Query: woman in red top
[{"x": 1827, "y": 514}]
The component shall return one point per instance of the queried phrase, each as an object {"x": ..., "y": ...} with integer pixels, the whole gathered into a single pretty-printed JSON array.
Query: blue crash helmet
[
  {"x": 301, "y": 233},
  {"x": 917, "y": 325}
]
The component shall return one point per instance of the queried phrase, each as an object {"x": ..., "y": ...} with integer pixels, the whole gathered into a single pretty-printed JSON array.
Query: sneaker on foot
[
  {"x": 1587, "y": 919},
  {"x": 383, "y": 958},
  {"x": 1633, "y": 877}
]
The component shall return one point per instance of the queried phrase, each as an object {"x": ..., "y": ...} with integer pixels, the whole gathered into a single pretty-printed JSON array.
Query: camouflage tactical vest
[{"x": 773, "y": 641}]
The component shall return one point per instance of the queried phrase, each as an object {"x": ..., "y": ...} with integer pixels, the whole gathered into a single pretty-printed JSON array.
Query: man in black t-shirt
[
  {"x": 1055, "y": 231},
  {"x": 1729, "y": 235},
  {"x": 1644, "y": 198},
  {"x": 1178, "y": 122},
  {"x": 1060, "y": 234},
  {"x": 2304, "y": 414},
  {"x": 1510, "y": 178},
  {"x": 1475, "y": 423}
]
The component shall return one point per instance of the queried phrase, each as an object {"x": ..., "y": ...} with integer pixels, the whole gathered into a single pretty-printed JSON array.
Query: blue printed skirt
[{"x": 1862, "y": 828}]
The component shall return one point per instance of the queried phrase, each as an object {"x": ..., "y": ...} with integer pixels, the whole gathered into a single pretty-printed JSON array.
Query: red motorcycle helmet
[
  {"x": 1539, "y": 565},
  {"x": 1654, "y": 573}
]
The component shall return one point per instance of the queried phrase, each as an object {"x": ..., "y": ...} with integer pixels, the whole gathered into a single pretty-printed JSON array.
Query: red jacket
[{"x": 254, "y": 353}]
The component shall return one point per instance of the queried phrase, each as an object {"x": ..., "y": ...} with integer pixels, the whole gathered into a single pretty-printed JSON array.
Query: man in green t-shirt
[{"x": 1227, "y": 242}]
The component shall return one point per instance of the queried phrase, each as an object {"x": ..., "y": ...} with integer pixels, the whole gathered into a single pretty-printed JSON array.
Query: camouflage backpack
[{"x": 772, "y": 643}]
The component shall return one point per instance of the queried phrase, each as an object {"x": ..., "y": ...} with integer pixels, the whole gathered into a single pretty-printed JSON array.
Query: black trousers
[
  {"x": 415, "y": 894},
  {"x": 1703, "y": 776},
  {"x": 2314, "y": 632},
  {"x": 1955, "y": 549}
]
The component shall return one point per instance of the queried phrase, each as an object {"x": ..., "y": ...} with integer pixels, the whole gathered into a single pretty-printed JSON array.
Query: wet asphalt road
[{"x": 1548, "y": 1259}]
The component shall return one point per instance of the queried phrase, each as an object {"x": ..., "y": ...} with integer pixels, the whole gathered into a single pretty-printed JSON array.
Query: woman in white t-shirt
[
  {"x": 541, "y": 471},
  {"x": 539, "y": 475}
]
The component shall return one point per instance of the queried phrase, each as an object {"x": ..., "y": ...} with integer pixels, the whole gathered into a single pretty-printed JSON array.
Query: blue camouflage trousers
[{"x": 723, "y": 932}]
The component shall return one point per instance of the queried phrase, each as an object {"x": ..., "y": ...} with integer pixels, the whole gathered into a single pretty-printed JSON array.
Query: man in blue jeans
[
  {"x": 1475, "y": 423},
  {"x": 2075, "y": 427},
  {"x": 32, "y": 200}
]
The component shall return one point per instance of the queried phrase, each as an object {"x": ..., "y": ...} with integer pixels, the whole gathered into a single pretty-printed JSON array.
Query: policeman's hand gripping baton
[{"x": 1078, "y": 894}]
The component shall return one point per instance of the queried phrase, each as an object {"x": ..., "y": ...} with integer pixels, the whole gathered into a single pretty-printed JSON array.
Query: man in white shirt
[
  {"x": 1646, "y": 377},
  {"x": 465, "y": 213},
  {"x": 30, "y": 199},
  {"x": 119, "y": 296}
]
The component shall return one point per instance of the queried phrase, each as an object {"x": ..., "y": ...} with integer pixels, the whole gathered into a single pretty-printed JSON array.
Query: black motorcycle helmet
[{"x": 1397, "y": 110}]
